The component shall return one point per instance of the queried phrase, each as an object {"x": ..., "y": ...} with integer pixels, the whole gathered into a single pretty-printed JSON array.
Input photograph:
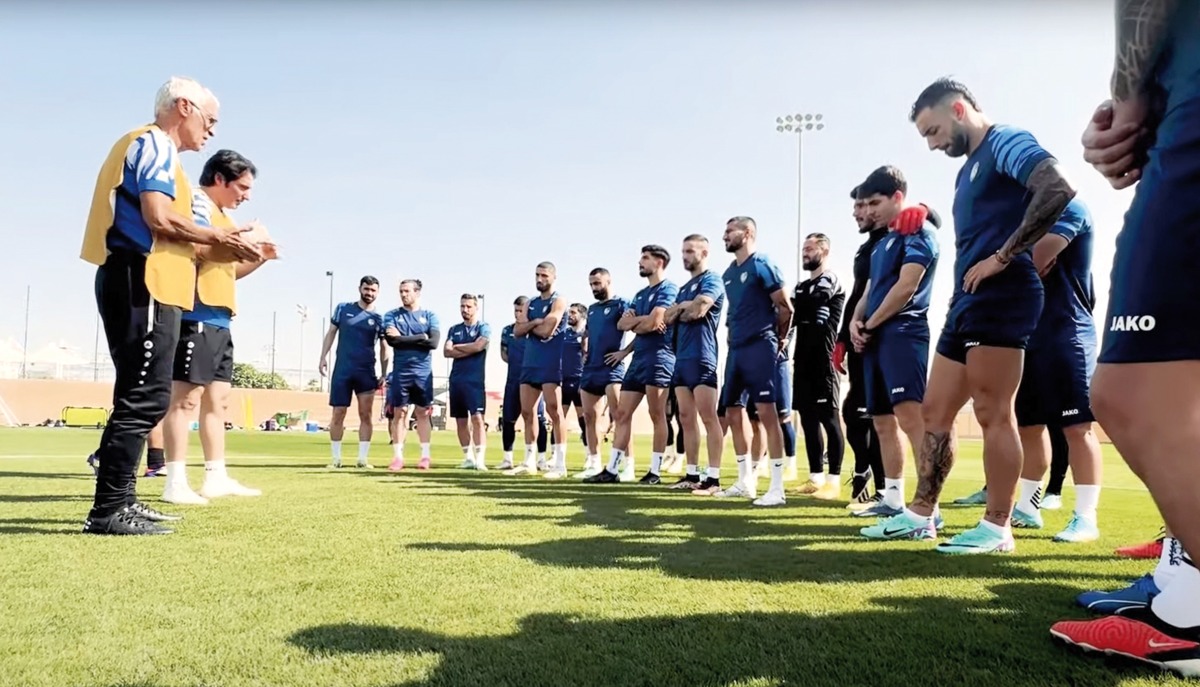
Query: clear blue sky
[{"x": 463, "y": 142}]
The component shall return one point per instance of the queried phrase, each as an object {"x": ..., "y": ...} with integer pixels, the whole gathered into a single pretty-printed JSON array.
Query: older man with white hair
[{"x": 141, "y": 235}]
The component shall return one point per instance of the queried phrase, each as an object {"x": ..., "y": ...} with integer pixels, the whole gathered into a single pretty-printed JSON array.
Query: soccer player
[
  {"x": 203, "y": 373},
  {"x": 1146, "y": 390},
  {"x": 542, "y": 374},
  {"x": 512, "y": 352},
  {"x": 673, "y": 462},
  {"x": 1057, "y": 375},
  {"x": 818, "y": 303},
  {"x": 860, "y": 429},
  {"x": 141, "y": 237},
  {"x": 466, "y": 345},
  {"x": 695, "y": 316},
  {"x": 574, "y": 350},
  {"x": 783, "y": 408},
  {"x": 759, "y": 319},
  {"x": 1009, "y": 193},
  {"x": 653, "y": 365},
  {"x": 890, "y": 327},
  {"x": 604, "y": 366},
  {"x": 358, "y": 329},
  {"x": 1059, "y": 464},
  {"x": 414, "y": 334}
]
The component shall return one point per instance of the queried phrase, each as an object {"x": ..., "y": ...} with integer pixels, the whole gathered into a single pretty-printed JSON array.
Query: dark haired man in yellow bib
[{"x": 141, "y": 236}]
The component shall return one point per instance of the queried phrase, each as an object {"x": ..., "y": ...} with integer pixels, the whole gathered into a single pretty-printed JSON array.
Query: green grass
[{"x": 452, "y": 578}]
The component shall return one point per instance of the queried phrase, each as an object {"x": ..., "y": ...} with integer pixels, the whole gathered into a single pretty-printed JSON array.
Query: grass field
[{"x": 454, "y": 578}]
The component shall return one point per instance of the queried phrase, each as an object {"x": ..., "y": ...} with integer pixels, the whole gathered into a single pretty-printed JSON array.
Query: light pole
[
  {"x": 274, "y": 316},
  {"x": 302, "y": 311},
  {"x": 96, "y": 352},
  {"x": 482, "y": 307},
  {"x": 25, "y": 342},
  {"x": 798, "y": 125},
  {"x": 328, "y": 273}
]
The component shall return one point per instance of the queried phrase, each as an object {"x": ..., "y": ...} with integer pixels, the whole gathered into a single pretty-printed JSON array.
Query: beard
[
  {"x": 734, "y": 245},
  {"x": 958, "y": 144},
  {"x": 811, "y": 265},
  {"x": 600, "y": 294}
]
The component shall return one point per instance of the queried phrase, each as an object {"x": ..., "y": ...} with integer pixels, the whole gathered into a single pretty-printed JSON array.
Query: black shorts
[
  {"x": 204, "y": 354},
  {"x": 816, "y": 387},
  {"x": 855, "y": 407}
]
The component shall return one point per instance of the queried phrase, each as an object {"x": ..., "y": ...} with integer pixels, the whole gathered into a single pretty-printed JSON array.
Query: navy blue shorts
[
  {"x": 1056, "y": 383},
  {"x": 541, "y": 376},
  {"x": 595, "y": 381},
  {"x": 1003, "y": 314},
  {"x": 467, "y": 398},
  {"x": 895, "y": 368},
  {"x": 695, "y": 372},
  {"x": 343, "y": 386},
  {"x": 750, "y": 370},
  {"x": 1152, "y": 297},
  {"x": 511, "y": 407},
  {"x": 570, "y": 394},
  {"x": 649, "y": 369},
  {"x": 783, "y": 393},
  {"x": 410, "y": 389}
]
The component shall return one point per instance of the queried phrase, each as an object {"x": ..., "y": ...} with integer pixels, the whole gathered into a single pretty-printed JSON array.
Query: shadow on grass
[
  {"x": 1000, "y": 641},
  {"x": 43, "y": 498},
  {"x": 24, "y": 526},
  {"x": 84, "y": 475}
]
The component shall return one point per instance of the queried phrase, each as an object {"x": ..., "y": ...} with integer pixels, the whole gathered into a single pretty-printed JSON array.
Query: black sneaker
[
  {"x": 602, "y": 477},
  {"x": 650, "y": 478},
  {"x": 94, "y": 463},
  {"x": 688, "y": 483},
  {"x": 708, "y": 487},
  {"x": 147, "y": 513},
  {"x": 124, "y": 521},
  {"x": 859, "y": 488}
]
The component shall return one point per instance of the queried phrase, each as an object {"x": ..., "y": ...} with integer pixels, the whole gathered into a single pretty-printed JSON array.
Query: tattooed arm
[
  {"x": 1141, "y": 30},
  {"x": 1051, "y": 193}
]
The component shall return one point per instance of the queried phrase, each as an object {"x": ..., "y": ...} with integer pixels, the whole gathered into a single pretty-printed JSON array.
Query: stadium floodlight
[{"x": 798, "y": 125}]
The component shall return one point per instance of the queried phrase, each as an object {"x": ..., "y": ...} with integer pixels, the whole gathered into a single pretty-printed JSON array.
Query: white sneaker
[
  {"x": 542, "y": 466},
  {"x": 467, "y": 464},
  {"x": 504, "y": 466},
  {"x": 335, "y": 465},
  {"x": 481, "y": 466},
  {"x": 522, "y": 470},
  {"x": 226, "y": 487},
  {"x": 628, "y": 473},
  {"x": 771, "y": 498},
  {"x": 1051, "y": 502},
  {"x": 364, "y": 465},
  {"x": 183, "y": 495},
  {"x": 555, "y": 474},
  {"x": 590, "y": 468},
  {"x": 737, "y": 491}
]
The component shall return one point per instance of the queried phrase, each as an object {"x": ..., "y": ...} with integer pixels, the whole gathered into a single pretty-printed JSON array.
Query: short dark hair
[
  {"x": 521, "y": 300},
  {"x": 598, "y": 270},
  {"x": 819, "y": 238},
  {"x": 657, "y": 251},
  {"x": 547, "y": 265},
  {"x": 579, "y": 306},
  {"x": 468, "y": 297},
  {"x": 854, "y": 192},
  {"x": 743, "y": 220},
  {"x": 227, "y": 163},
  {"x": 368, "y": 281},
  {"x": 938, "y": 92},
  {"x": 696, "y": 237},
  {"x": 885, "y": 181},
  {"x": 415, "y": 282}
]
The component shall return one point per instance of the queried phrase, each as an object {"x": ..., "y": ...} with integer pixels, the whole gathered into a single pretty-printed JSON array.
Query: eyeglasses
[{"x": 209, "y": 121}]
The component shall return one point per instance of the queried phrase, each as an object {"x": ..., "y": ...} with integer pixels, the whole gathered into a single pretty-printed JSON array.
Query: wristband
[{"x": 1000, "y": 259}]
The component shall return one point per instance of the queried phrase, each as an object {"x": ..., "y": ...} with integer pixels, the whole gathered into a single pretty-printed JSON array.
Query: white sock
[
  {"x": 508, "y": 457},
  {"x": 745, "y": 470},
  {"x": 529, "y": 454},
  {"x": 1031, "y": 496},
  {"x": 215, "y": 470},
  {"x": 776, "y": 475},
  {"x": 656, "y": 462},
  {"x": 479, "y": 452},
  {"x": 818, "y": 478},
  {"x": 397, "y": 451},
  {"x": 1169, "y": 563},
  {"x": 336, "y": 447},
  {"x": 713, "y": 473},
  {"x": 560, "y": 456},
  {"x": 615, "y": 460},
  {"x": 833, "y": 479},
  {"x": 693, "y": 470},
  {"x": 993, "y": 527},
  {"x": 893, "y": 492},
  {"x": 177, "y": 473},
  {"x": 1087, "y": 497},
  {"x": 592, "y": 460},
  {"x": 1179, "y": 604},
  {"x": 468, "y": 453},
  {"x": 364, "y": 448},
  {"x": 425, "y": 450},
  {"x": 917, "y": 516}
]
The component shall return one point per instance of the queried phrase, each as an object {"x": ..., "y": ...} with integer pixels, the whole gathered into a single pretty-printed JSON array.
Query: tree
[
  {"x": 313, "y": 385},
  {"x": 246, "y": 376}
]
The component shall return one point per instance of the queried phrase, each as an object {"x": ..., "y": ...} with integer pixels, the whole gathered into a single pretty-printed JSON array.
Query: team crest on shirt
[
  {"x": 695, "y": 286},
  {"x": 607, "y": 310},
  {"x": 889, "y": 243},
  {"x": 743, "y": 277},
  {"x": 974, "y": 171},
  {"x": 370, "y": 322},
  {"x": 421, "y": 319}
]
